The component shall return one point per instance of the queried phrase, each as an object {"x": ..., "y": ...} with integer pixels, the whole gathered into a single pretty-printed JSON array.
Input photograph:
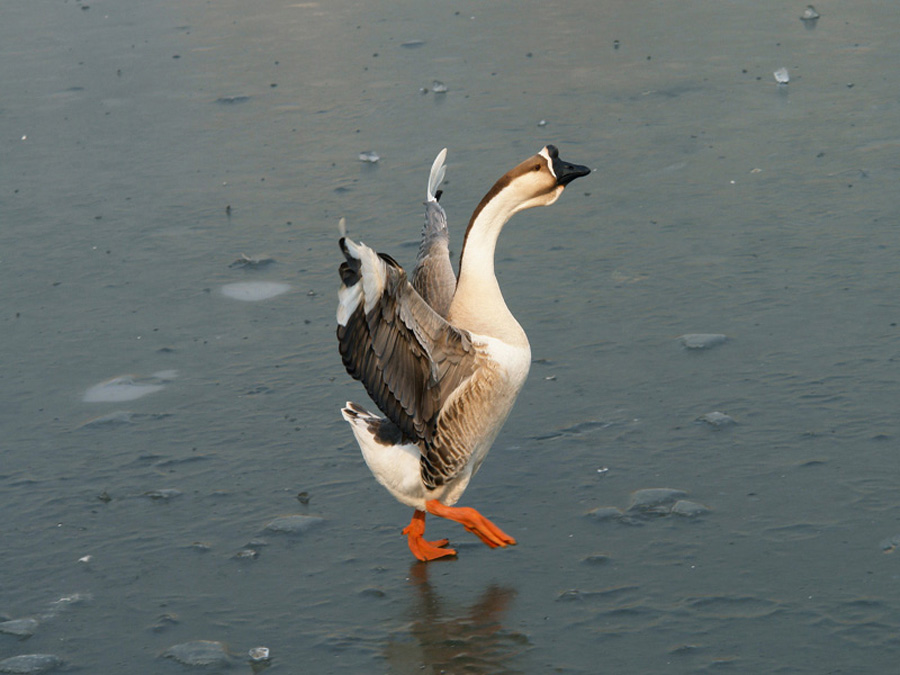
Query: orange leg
[
  {"x": 424, "y": 550},
  {"x": 473, "y": 521}
]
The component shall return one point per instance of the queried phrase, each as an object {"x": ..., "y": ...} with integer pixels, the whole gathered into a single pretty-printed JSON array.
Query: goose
[{"x": 442, "y": 357}]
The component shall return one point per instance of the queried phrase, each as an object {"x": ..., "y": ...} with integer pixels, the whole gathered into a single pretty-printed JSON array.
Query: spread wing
[
  {"x": 433, "y": 275},
  {"x": 407, "y": 356}
]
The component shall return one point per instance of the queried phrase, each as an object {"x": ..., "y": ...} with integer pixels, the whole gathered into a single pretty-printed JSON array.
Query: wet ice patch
[
  {"x": 654, "y": 500},
  {"x": 605, "y": 513},
  {"x": 724, "y": 607},
  {"x": 119, "y": 418},
  {"x": 571, "y": 595},
  {"x": 585, "y": 427},
  {"x": 119, "y": 389},
  {"x": 254, "y": 291},
  {"x": 24, "y": 628},
  {"x": 716, "y": 420},
  {"x": 128, "y": 387},
  {"x": 164, "y": 622},
  {"x": 199, "y": 653},
  {"x": 794, "y": 532},
  {"x": 701, "y": 340},
  {"x": 252, "y": 262},
  {"x": 64, "y": 603},
  {"x": 888, "y": 545},
  {"x": 19, "y": 627},
  {"x": 113, "y": 419},
  {"x": 295, "y": 524},
  {"x": 30, "y": 664},
  {"x": 688, "y": 509},
  {"x": 231, "y": 100},
  {"x": 650, "y": 503},
  {"x": 164, "y": 494}
]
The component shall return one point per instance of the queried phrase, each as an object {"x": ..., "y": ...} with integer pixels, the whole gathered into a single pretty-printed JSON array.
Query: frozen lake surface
[{"x": 702, "y": 470}]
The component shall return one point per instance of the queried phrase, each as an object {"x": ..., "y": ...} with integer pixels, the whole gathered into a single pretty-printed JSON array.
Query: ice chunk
[
  {"x": 259, "y": 654},
  {"x": 809, "y": 14},
  {"x": 782, "y": 76},
  {"x": 369, "y": 157}
]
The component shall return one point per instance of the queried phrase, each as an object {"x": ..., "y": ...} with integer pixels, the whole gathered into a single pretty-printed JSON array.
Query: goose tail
[
  {"x": 433, "y": 275},
  {"x": 436, "y": 177}
]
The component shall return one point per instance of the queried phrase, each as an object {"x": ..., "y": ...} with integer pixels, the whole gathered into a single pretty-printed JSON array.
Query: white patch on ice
[
  {"x": 253, "y": 291},
  {"x": 118, "y": 389}
]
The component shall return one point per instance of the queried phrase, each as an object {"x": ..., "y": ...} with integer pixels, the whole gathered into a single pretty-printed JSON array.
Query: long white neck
[{"x": 478, "y": 304}]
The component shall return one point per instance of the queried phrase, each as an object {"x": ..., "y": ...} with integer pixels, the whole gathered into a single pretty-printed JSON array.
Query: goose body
[{"x": 443, "y": 358}]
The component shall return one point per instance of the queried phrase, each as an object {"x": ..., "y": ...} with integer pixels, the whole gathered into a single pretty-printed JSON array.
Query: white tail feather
[
  {"x": 348, "y": 300},
  {"x": 436, "y": 177},
  {"x": 372, "y": 272}
]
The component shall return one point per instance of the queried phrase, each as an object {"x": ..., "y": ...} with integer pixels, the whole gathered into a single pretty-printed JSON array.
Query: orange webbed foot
[
  {"x": 421, "y": 548},
  {"x": 473, "y": 521}
]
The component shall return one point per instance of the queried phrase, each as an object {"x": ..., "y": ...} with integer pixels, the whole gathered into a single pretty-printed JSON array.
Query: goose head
[{"x": 538, "y": 181}]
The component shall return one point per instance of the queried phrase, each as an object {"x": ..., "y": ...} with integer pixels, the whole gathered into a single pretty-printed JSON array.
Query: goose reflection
[{"x": 446, "y": 638}]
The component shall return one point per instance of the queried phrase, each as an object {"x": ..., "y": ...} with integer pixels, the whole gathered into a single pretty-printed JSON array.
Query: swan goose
[{"x": 443, "y": 358}]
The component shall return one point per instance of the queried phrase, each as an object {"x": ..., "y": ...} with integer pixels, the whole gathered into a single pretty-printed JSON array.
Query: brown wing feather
[
  {"x": 433, "y": 275},
  {"x": 458, "y": 430},
  {"x": 408, "y": 358}
]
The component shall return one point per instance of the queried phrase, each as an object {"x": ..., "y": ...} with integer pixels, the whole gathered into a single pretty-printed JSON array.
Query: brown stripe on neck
[
  {"x": 498, "y": 186},
  {"x": 505, "y": 180}
]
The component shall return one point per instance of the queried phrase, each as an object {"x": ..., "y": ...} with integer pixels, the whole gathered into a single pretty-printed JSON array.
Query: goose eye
[{"x": 536, "y": 167}]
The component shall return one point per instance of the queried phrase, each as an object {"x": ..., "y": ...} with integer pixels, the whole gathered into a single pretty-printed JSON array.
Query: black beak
[{"x": 565, "y": 172}]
